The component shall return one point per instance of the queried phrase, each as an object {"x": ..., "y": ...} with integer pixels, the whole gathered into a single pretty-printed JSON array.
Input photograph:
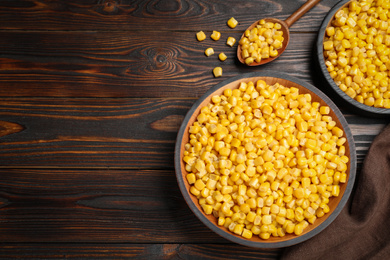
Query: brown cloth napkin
[{"x": 362, "y": 229}]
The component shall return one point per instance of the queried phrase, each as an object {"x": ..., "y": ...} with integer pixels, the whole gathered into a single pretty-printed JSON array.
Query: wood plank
[
  {"x": 156, "y": 15},
  {"x": 92, "y": 132},
  {"x": 119, "y": 64},
  {"x": 111, "y": 132},
  {"x": 111, "y": 206},
  {"x": 135, "y": 251},
  {"x": 126, "y": 206}
]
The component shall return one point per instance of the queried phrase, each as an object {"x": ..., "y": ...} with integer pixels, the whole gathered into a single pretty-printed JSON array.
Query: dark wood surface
[{"x": 92, "y": 95}]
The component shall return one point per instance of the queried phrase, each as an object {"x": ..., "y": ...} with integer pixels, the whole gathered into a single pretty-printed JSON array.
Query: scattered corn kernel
[
  {"x": 222, "y": 56},
  {"x": 200, "y": 36},
  {"x": 231, "y": 41},
  {"x": 209, "y": 51},
  {"x": 232, "y": 23},
  {"x": 265, "y": 160},
  {"x": 217, "y": 71},
  {"x": 215, "y": 35}
]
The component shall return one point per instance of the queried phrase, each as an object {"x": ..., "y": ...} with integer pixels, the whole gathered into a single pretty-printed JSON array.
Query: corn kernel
[
  {"x": 200, "y": 36},
  {"x": 232, "y": 22},
  {"x": 191, "y": 178},
  {"x": 328, "y": 45},
  {"x": 208, "y": 209},
  {"x": 247, "y": 233},
  {"x": 217, "y": 71},
  {"x": 249, "y": 60},
  {"x": 231, "y": 41},
  {"x": 215, "y": 35},
  {"x": 209, "y": 51},
  {"x": 199, "y": 184},
  {"x": 222, "y": 56}
]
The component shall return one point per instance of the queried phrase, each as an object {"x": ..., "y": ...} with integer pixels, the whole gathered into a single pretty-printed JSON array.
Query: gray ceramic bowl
[
  {"x": 341, "y": 98},
  {"x": 336, "y": 203}
]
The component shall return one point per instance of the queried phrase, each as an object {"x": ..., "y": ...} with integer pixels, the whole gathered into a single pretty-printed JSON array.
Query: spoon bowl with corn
[{"x": 266, "y": 39}]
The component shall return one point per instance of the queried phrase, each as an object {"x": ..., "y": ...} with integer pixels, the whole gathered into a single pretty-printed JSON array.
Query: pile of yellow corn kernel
[
  {"x": 265, "y": 159},
  {"x": 261, "y": 42},
  {"x": 356, "y": 51}
]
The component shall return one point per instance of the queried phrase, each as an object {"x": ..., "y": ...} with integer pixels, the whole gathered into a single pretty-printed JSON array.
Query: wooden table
[{"x": 92, "y": 95}]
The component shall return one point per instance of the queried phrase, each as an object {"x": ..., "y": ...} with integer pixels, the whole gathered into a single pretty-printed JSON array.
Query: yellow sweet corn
[
  {"x": 208, "y": 209},
  {"x": 247, "y": 233},
  {"x": 231, "y": 41},
  {"x": 328, "y": 45},
  {"x": 261, "y": 42},
  {"x": 356, "y": 48},
  {"x": 232, "y": 23},
  {"x": 209, "y": 51},
  {"x": 298, "y": 229},
  {"x": 215, "y": 35},
  {"x": 265, "y": 160},
  {"x": 217, "y": 71},
  {"x": 222, "y": 56},
  {"x": 191, "y": 178},
  {"x": 200, "y": 36},
  {"x": 249, "y": 60}
]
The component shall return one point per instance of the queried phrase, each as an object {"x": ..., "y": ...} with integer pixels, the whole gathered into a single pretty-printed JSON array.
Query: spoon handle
[{"x": 301, "y": 11}]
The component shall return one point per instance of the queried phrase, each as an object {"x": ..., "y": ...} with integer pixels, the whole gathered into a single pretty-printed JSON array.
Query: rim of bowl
[
  {"x": 242, "y": 241},
  {"x": 363, "y": 109}
]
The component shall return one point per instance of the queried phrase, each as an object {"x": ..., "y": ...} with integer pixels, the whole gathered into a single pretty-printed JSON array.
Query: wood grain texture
[
  {"x": 152, "y": 15},
  {"x": 121, "y": 64},
  {"x": 132, "y": 206},
  {"x": 129, "y": 133},
  {"x": 7, "y": 128},
  {"x": 92, "y": 133},
  {"x": 135, "y": 251}
]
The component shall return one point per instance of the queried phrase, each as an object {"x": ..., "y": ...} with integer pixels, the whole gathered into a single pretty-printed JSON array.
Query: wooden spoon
[{"x": 286, "y": 34}]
